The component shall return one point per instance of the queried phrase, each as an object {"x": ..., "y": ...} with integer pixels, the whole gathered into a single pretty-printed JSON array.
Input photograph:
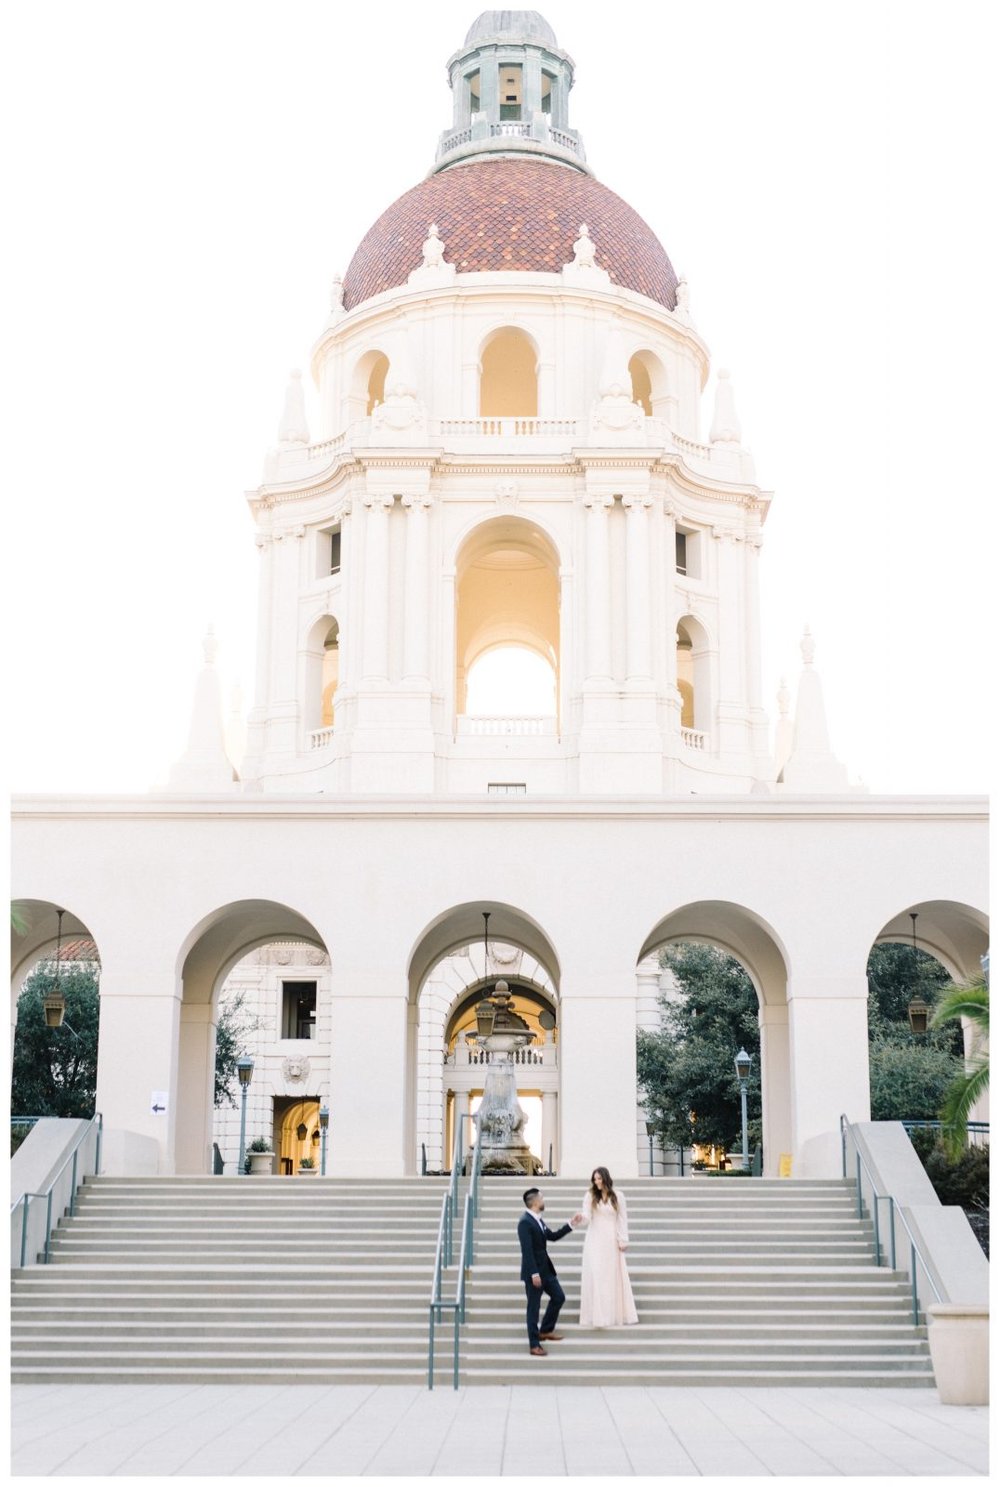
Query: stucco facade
[{"x": 510, "y": 453}]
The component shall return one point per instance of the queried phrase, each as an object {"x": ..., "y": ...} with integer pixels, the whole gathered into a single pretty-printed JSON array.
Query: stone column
[
  {"x": 598, "y": 588},
  {"x": 375, "y": 632},
  {"x": 775, "y": 1091},
  {"x": 139, "y": 1054},
  {"x": 828, "y": 1056},
  {"x": 531, "y": 84},
  {"x": 368, "y": 1116},
  {"x": 637, "y": 586},
  {"x": 596, "y": 1054},
  {"x": 196, "y": 1088},
  {"x": 415, "y": 630},
  {"x": 489, "y": 84},
  {"x": 550, "y": 1128}
]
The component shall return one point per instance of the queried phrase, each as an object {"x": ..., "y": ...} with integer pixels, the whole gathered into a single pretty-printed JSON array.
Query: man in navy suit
[{"x": 538, "y": 1271}]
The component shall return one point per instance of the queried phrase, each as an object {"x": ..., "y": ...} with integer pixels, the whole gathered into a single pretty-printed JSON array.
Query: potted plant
[
  {"x": 260, "y": 1157},
  {"x": 307, "y": 1167}
]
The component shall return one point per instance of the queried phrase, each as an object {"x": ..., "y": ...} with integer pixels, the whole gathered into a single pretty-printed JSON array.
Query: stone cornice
[{"x": 967, "y": 809}]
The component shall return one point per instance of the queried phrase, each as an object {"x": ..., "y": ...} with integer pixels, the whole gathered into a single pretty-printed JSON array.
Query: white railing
[
  {"x": 465, "y": 1056},
  {"x": 506, "y": 727},
  {"x": 326, "y": 447},
  {"x": 691, "y": 738},
  {"x": 452, "y": 141},
  {"x": 495, "y": 428},
  {"x": 511, "y": 129},
  {"x": 320, "y": 737},
  {"x": 692, "y": 447},
  {"x": 568, "y": 142}
]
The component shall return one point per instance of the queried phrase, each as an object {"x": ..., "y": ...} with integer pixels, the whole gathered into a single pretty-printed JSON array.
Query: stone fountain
[{"x": 500, "y": 1121}]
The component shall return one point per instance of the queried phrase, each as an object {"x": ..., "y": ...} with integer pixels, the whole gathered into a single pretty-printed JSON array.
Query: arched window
[
  {"x": 694, "y": 678},
  {"x": 366, "y": 387},
  {"x": 649, "y": 384},
  {"x": 508, "y": 384},
  {"x": 331, "y": 674},
  {"x": 376, "y": 383},
  {"x": 511, "y": 680}
]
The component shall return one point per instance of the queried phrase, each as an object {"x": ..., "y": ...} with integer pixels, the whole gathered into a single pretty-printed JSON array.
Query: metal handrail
[
  {"x": 894, "y": 1209},
  {"x": 71, "y": 1156},
  {"x": 445, "y": 1246}
]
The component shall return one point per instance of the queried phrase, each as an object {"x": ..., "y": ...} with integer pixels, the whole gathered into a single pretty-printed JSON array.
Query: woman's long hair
[{"x": 608, "y": 1195}]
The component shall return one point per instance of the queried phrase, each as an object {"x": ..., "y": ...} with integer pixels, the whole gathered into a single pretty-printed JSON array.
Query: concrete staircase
[
  {"x": 284, "y": 1280},
  {"x": 736, "y": 1281},
  {"x": 233, "y": 1280}
]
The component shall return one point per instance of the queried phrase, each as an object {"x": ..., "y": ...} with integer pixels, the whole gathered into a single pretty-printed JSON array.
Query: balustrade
[
  {"x": 691, "y": 738},
  {"x": 506, "y": 727},
  {"x": 466, "y": 1056},
  {"x": 320, "y": 737}
]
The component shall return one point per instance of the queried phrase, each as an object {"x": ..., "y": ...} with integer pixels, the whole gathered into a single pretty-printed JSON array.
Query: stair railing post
[
  {"x": 48, "y": 1223},
  {"x": 26, "y": 1202},
  {"x": 72, "y": 1187},
  {"x": 857, "y": 1156},
  {"x": 878, "y": 1246},
  {"x": 913, "y": 1276},
  {"x": 892, "y": 1232}
]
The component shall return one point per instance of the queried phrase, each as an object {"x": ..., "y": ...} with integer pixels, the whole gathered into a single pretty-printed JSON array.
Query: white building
[{"x": 508, "y": 661}]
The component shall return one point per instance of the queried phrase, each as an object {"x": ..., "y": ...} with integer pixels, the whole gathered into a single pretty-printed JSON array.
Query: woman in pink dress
[{"x": 605, "y": 1290}]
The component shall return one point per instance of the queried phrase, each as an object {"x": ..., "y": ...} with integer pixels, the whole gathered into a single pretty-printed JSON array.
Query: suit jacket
[{"x": 534, "y": 1255}]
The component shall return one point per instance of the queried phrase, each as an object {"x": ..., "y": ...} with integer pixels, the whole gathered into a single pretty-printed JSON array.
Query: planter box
[
  {"x": 308, "y": 1171},
  {"x": 261, "y": 1163},
  {"x": 959, "y": 1339}
]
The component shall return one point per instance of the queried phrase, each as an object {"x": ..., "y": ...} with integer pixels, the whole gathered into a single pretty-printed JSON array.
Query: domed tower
[{"x": 508, "y": 561}]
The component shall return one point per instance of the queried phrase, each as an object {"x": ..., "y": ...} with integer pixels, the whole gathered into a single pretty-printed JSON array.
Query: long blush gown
[{"x": 605, "y": 1289}]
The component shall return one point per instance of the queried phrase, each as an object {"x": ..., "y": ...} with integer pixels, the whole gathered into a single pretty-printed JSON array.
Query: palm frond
[
  {"x": 960, "y": 1101},
  {"x": 971, "y": 1000}
]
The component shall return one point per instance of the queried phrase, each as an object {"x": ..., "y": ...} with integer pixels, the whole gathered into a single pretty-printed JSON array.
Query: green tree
[
  {"x": 686, "y": 1067},
  {"x": 909, "y": 1080},
  {"x": 55, "y": 1069},
  {"x": 909, "y": 1072},
  {"x": 231, "y": 1031},
  {"x": 972, "y": 1001}
]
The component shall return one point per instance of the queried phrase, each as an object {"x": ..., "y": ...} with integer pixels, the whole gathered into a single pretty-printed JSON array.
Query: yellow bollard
[{"x": 785, "y": 1164}]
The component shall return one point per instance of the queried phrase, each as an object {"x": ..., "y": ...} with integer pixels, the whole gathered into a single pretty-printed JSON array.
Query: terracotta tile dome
[{"x": 505, "y": 214}]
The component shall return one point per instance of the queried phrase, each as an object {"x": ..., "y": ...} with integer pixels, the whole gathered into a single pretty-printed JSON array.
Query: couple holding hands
[{"x": 605, "y": 1290}]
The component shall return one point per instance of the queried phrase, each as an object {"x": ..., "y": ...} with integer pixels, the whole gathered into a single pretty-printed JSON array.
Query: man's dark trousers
[
  {"x": 550, "y": 1287},
  {"x": 534, "y": 1236}
]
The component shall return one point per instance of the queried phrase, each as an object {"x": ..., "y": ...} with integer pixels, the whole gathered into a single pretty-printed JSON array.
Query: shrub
[{"x": 964, "y": 1180}]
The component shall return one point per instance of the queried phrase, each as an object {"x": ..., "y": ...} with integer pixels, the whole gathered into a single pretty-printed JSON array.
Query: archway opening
[
  {"x": 450, "y": 970},
  {"x": 507, "y": 624},
  {"x": 321, "y": 659},
  {"x": 255, "y": 979},
  {"x": 375, "y": 391},
  {"x": 694, "y": 676},
  {"x": 916, "y": 957},
  {"x": 721, "y": 984},
  {"x": 54, "y": 1053},
  {"x": 508, "y": 382},
  {"x": 649, "y": 384}
]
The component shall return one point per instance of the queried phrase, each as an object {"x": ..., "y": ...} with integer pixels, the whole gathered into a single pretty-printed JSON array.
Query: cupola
[{"x": 510, "y": 83}]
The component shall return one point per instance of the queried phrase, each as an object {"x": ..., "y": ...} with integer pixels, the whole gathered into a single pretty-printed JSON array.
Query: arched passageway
[
  {"x": 745, "y": 936},
  {"x": 449, "y": 970},
  {"x": 216, "y": 945},
  {"x": 507, "y": 625},
  {"x": 956, "y": 936},
  {"x": 508, "y": 380}
]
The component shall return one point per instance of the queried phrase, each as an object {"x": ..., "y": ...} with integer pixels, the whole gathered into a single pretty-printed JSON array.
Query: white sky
[{"x": 187, "y": 177}]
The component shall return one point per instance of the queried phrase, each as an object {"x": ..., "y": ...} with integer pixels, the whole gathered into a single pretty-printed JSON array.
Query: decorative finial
[
  {"x": 784, "y": 698},
  {"x": 336, "y": 294},
  {"x": 682, "y": 296},
  {"x": 293, "y": 428},
  {"x": 583, "y": 249},
  {"x": 433, "y": 248},
  {"x": 210, "y": 646},
  {"x": 807, "y": 646},
  {"x": 725, "y": 424}
]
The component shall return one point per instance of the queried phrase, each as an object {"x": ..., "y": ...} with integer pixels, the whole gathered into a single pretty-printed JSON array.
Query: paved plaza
[{"x": 346, "y": 1431}]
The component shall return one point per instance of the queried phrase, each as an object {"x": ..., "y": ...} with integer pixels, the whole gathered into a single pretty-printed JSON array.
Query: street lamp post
[
  {"x": 244, "y": 1068},
  {"x": 650, "y": 1132},
  {"x": 743, "y": 1062},
  {"x": 324, "y": 1122}
]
